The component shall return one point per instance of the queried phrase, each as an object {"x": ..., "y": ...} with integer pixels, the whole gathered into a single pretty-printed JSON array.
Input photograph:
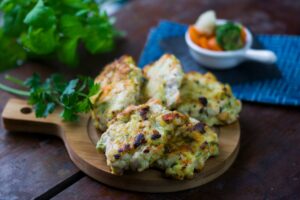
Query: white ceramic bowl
[{"x": 228, "y": 59}]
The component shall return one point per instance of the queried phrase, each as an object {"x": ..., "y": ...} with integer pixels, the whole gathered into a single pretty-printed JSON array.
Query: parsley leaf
[
  {"x": 11, "y": 53},
  {"x": 44, "y": 109},
  {"x": 71, "y": 26},
  {"x": 99, "y": 37},
  {"x": 70, "y": 89},
  {"x": 73, "y": 96},
  {"x": 40, "y": 41},
  {"x": 40, "y": 16},
  {"x": 52, "y": 29},
  {"x": 67, "y": 52},
  {"x": 33, "y": 82}
]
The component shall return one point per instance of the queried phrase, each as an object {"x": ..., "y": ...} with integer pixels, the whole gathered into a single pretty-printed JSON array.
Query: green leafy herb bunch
[
  {"x": 52, "y": 28},
  {"x": 74, "y": 96}
]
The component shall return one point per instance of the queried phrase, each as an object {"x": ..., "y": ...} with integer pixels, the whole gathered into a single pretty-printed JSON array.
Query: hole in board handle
[{"x": 26, "y": 110}]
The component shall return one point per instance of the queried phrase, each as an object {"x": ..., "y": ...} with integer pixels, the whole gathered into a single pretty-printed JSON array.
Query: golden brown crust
[
  {"x": 164, "y": 78},
  {"x": 207, "y": 75},
  {"x": 120, "y": 82},
  {"x": 115, "y": 71},
  {"x": 147, "y": 67},
  {"x": 204, "y": 98}
]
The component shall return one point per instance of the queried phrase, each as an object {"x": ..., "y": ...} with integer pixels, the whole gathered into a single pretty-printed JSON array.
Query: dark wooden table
[{"x": 267, "y": 167}]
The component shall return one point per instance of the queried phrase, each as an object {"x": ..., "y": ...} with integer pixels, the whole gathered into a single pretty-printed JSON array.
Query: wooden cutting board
[{"x": 80, "y": 140}]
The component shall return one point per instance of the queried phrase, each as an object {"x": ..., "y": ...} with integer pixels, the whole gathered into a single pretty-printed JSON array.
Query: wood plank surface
[
  {"x": 30, "y": 164},
  {"x": 268, "y": 165}
]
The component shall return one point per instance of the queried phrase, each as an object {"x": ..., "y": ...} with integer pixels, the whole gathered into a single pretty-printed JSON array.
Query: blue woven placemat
[{"x": 275, "y": 84}]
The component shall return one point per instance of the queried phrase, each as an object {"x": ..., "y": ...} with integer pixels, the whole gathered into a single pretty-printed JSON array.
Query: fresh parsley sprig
[
  {"x": 53, "y": 29},
  {"x": 46, "y": 96}
]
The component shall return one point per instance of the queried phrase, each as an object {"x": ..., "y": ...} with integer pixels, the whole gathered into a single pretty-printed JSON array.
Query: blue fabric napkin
[{"x": 252, "y": 81}]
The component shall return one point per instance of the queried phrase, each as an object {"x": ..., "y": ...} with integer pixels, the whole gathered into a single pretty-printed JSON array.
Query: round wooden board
[{"x": 80, "y": 139}]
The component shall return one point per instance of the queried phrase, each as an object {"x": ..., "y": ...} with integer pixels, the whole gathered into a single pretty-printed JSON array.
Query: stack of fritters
[
  {"x": 200, "y": 96},
  {"x": 150, "y": 135},
  {"x": 140, "y": 133}
]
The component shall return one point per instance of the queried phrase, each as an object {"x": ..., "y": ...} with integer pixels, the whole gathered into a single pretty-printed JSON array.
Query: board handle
[{"x": 18, "y": 115}]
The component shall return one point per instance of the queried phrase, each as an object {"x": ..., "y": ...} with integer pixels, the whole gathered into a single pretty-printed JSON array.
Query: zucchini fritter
[
  {"x": 138, "y": 137},
  {"x": 188, "y": 150},
  {"x": 134, "y": 139},
  {"x": 164, "y": 79},
  {"x": 150, "y": 135},
  {"x": 121, "y": 83},
  {"x": 203, "y": 97}
]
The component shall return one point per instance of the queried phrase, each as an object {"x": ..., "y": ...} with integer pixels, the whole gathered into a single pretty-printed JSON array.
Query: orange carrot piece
[
  {"x": 193, "y": 34},
  {"x": 243, "y": 35},
  {"x": 203, "y": 42},
  {"x": 213, "y": 45}
]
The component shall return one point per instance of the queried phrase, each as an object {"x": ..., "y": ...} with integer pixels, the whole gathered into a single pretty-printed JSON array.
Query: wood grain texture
[
  {"x": 268, "y": 165},
  {"x": 80, "y": 140},
  {"x": 27, "y": 164}
]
